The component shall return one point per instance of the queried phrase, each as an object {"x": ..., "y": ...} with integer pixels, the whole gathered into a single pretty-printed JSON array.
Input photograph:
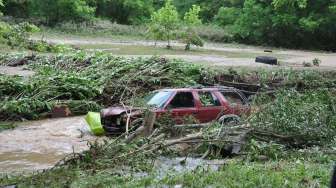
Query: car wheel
[
  {"x": 267, "y": 60},
  {"x": 229, "y": 119}
]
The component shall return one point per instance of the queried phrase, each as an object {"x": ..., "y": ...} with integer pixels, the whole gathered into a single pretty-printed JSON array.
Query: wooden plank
[{"x": 149, "y": 121}]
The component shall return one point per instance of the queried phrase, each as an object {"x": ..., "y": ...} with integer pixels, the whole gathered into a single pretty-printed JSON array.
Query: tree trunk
[
  {"x": 169, "y": 46},
  {"x": 149, "y": 121},
  {"x": 187, "y": 47}
]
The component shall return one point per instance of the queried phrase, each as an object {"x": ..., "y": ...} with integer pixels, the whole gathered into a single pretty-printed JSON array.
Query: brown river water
[{"x": 38, "y": 145}]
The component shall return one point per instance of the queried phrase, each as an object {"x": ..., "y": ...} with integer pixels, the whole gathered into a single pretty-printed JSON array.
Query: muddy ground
[
  {"x": 219, "y": 54},
  {"x": 12, "y": 71}
]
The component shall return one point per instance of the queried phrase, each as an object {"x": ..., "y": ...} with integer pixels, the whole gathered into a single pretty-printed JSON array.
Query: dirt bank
[{"x": 20, "y": 71}]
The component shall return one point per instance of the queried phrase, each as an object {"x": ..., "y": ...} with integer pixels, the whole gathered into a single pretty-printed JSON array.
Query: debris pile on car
[{"x": 204, "y": 104}]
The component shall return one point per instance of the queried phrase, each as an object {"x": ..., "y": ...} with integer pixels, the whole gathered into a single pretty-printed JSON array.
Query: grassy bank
[
  {"x": 211, "y": 33},
  {"x": 6, "y": 126},
  {"x": 296, "y": 171}
]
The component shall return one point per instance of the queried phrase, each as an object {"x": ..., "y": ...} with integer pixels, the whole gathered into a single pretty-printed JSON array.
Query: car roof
[{"x": 215, "y": 88}]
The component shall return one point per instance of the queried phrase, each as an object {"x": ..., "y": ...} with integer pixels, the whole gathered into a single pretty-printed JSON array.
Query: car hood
[{"x": 118, "y": 110}]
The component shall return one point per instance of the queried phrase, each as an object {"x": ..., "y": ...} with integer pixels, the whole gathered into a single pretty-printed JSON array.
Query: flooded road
[{"x": 41, "y": 144}]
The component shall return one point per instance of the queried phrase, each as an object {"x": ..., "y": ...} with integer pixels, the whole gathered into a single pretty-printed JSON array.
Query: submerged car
[{"x": 203, "y": 104}]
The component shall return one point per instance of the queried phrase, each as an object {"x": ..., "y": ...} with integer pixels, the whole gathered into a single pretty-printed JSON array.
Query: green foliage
[
  {"x": 254, "y": 175},
  {"x": 301, "y": 173},
  {"x": 289, "y": 3},
  {"x": 6, "y": 126},
  {"x": 305, "y": 117},
  {"x": 42, "y": 46},
  {"x": 295, "y": 24},
  {"x": 316, "y": 62},
  {"x": 165, "y": 22},
  {"x": 214, "y": 33},
  {"x": 16, "y": 35},
  {"x": 26, "y": 108},
  {"x": 253, "y": 22},
  {"x": 78, "y": 77},
  {"x": 1, "y": 5},
  {"x": 191, "y": 20},
  {"x": 227, "y": 15},
  {"x": 209, "y": 7},
  {"x": 124, "y": 11},
  {"x": 270, "y": 151},
  {"x": 138, "y": 10},
  {"x": 55, "y": 11}
]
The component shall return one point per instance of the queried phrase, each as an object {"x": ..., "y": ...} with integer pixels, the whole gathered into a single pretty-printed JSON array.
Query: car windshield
[{"x": 158, "y": 99}]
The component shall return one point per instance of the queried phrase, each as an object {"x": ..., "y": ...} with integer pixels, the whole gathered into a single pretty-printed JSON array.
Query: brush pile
[{"x": 86, "y": 82}]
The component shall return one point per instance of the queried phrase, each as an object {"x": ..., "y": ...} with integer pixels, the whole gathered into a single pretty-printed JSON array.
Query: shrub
[
  {"x": 42, "y": 46},
  {"x": 316, "y": 62},
  {"x": 227, "y": 15},
  {"x": 55, "y": 11},
  {"x": 214, "y": 33},
  {"x": 16, "y": 35},
  {"x": 165, "y": 22},
  {"x": 191, "y": 19}
]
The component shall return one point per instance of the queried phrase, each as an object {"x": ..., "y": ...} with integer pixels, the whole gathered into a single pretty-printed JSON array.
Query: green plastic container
[{"x": 94, "y": 121}]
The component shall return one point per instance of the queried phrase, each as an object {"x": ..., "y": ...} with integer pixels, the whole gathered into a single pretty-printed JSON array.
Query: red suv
[{"x": 204, "y": 104}]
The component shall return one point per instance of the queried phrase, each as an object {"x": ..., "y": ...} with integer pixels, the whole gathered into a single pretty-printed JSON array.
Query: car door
[
  {"x": 210, "y": 107},
  {"x": 182, "y": 105}
]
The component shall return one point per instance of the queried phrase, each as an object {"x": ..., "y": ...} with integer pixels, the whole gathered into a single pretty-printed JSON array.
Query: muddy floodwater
[{"x": 41, "y": 144}]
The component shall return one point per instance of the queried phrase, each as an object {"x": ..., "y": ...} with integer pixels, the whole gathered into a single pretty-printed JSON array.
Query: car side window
[
  {"x": 208, "y": 99},
  {"x": 233, "y": 98},
  {"x": 182, "y": 100}
]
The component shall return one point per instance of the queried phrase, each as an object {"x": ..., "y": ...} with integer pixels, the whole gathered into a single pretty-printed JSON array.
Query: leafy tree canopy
[
  {"x": 192, "y": 16},
  {"x": 166, "y": 21},
  {"x": 1, "y": 5},
  {"x": 189, "y": 35}
]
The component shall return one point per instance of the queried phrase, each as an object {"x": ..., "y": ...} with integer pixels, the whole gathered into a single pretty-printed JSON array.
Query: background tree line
[{"x": 287, "y": 23}]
